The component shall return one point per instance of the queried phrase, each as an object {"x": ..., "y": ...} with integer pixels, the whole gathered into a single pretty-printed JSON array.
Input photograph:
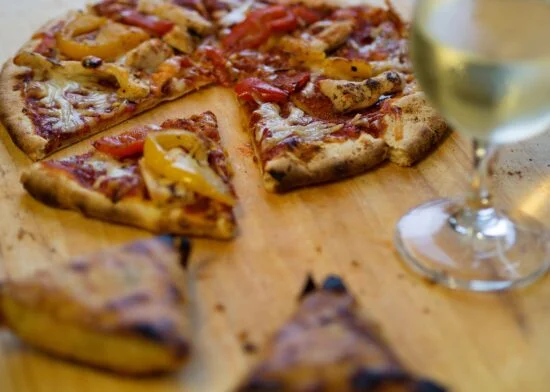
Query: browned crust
[
  {"x": 335, "y": 160},
  {"x": 58, "y": 190},
  {"x": 12, "y": 113},
  {"x": 414, "y": 130}
]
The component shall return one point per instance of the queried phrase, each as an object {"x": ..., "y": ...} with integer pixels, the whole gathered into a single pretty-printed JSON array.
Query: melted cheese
[
  {"x": 297, "y": 123},
  {"x": 238, "y": 14},
  {"x": 63, "y": 110},
  {"x": 113, "y": 168}
]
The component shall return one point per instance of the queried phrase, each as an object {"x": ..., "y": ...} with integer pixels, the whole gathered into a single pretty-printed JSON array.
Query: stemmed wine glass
[{"x": 485, "y": 65}]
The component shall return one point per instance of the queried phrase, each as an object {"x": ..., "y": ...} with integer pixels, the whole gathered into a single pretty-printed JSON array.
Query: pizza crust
[
  {"x": 12, "y": 108},
  {"x": 60, "y": 191},
  {"x": 413, "y": 132},
  {"x": 334, "y": 161}
]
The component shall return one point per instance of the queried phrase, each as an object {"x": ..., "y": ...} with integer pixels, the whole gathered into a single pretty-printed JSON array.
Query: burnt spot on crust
[
  {"x": 309, "y": 287},
  {"x": 262, "y": 386},
  {"x": 335, "y": 284},
  {"x": 157, "y": 331},
  {"x": 393, "y": 77},
  {"x": 369, "y": 379},
  {"x": 43, "y": 195},
  {"x": 279, "y": 176},
  {"x": 372, "y": 84},
  {"x": 341, "y": 169}
]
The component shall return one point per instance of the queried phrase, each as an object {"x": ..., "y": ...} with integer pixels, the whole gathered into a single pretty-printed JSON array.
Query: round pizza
[{"x": 327, "y": 90}]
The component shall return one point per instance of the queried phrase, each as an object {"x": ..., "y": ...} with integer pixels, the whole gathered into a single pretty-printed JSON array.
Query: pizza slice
[
  {"x": 92, "y": 69},
  {"x": 327, "y": 346},
  {"x": 329, "y": 92},
  {"x": 173, "y": 178},
  {"x": 121, "y": 309}
]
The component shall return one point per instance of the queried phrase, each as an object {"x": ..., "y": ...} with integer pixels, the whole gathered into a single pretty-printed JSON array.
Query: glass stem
[
  {"x": 480, "y": 197},
  {"x": 478, "y": 213}
]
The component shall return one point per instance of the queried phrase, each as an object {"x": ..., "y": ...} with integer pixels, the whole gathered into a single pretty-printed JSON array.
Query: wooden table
[{"x": 472, "y": 342}]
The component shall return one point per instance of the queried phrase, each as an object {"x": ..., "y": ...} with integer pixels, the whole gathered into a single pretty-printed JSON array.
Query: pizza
[
  {"x": 168, "y": 178},
  {"x": 327, "y": 90},
  {"x": 121, "y": 309},
  {"x": 328, "y": 346}
]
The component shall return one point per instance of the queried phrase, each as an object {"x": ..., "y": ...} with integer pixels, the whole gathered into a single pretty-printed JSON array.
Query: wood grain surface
[{"x": 243, "y": 290}]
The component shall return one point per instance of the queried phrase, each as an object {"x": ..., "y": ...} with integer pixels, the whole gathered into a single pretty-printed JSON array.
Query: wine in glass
[{"x": 485, "y": 65}]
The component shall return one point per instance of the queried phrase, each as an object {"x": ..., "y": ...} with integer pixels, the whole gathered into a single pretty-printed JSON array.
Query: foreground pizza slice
[
  {"x": 92, "y": 69},
  {"x": 327, "y": 346},
  {"x": 173, "y": 178},
  {"x": 329, "y": 91},
  {"x": 121, "y": 309}
]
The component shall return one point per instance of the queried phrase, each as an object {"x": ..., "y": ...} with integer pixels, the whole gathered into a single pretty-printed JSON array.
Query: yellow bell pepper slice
[
  {"x": 189, "y": 167},
  {"x": 347, "y": 69},
  {"x": 112, "y": 39}
]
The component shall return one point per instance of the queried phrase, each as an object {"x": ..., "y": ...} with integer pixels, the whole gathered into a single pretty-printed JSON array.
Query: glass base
[{"x": 487, "y": 251}]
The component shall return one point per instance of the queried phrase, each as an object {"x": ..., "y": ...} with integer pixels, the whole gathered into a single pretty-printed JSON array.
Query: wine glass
[{"x": 485, "y": 65}]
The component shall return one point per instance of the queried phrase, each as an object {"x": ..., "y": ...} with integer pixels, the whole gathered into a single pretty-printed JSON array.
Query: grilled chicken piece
[
  {"x": 326, "y": 346},
  {"x": 148, "y": 55},
  {"x": 182, "y": 17},
  {"x": 347, "y": 96},
  {"x": 120, "y": 309}
]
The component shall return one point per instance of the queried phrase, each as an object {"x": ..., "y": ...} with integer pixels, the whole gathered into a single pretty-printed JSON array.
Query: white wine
[{"x": 485, "y": 64}]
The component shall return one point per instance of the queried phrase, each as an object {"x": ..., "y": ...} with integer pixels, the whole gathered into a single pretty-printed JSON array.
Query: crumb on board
[
  {"x": 219, "y": 308},
  {"x": 243, "y": 336},
  {"x": 355, "y": 263},
  {"x": 250, "y": 348}
]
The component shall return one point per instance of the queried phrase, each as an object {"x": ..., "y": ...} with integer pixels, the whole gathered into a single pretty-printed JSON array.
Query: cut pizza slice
[
  {"x": 92, "y": 69},
  {"x": 328, "y": 90},
  {"x": 327, "y": 346},
  {"x": 173, "y": 178},
  {"x": 121, "y": 309}
]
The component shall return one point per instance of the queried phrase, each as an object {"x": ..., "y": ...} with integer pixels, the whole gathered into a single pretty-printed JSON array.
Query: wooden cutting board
[{"x": 243, "y": 290}]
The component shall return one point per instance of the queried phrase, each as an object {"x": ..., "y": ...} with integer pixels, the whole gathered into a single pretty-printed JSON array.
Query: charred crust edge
[{"x": 309, "y": 287}]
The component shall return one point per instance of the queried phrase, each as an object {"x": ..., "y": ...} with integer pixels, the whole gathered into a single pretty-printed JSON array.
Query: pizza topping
[
  {"x": 237, "y": 15},
  {"x": 181, "y": 156},
  {"x": 347, "y": 96},
  {"x": 111, "y": 39},
  {"x": 91, "y": 62},
  {"x": 259, "y": 26},
  {"x": 122, "y": 146},
  {"x": 180, "y": 39},
  {"x": 165, "y": 74},
  {"x": 182, "y": 17},
  {"x": 329, "y": 34},
  {"x": 148, "y": 56},
  {"x": 292, "y": 82},
  {"x": 274, "y": 128},
  {"x": 347, "y": 69},
  {"x": 149, "y": 23},
  {"x": 256, "y": 90}
]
